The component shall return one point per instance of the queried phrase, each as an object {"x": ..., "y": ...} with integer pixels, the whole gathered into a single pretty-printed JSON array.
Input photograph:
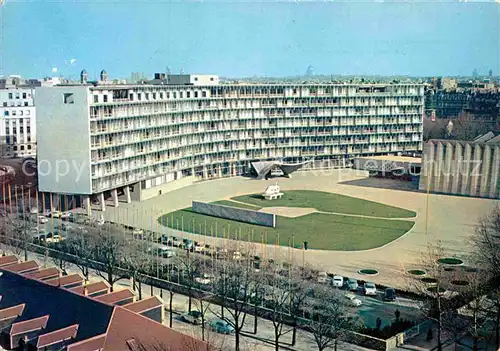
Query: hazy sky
[{"x": 246, "y": 39}]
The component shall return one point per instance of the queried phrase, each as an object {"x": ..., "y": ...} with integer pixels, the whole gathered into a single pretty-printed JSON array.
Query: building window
[
  {"x": 211, "y": 79},
  {"x": 168, "y": 95},
  {"x": 14, "y": 113},
  {"x": 28, "y": 130},
  {"x": 26, "y": 103},
  {"x": 96, "y": 99},
  {"x": 24, "y": 95},
  {"x": 161, "y": 95},
  {"x": 29, "y": 147},
  {"x": 195, "y": 94},
  {"x": 28, "y": 112},
  {"x": 4, "y": 103},
  {"x": 14, "y": 130},
  {"x": 131, "y": 97},
  {"x": 196, "y": 79},
  {"x": 68, "y": 98},
  {"x": 10, "y": 95},
  {"x": 181, "y": 94},
  {"x": 154, "y": 96},
  {"x": 14, "y": 148},
  {"x": 18, "y": 95},
  {"x": 188, "y": 94},
  {"x": 139, "y": 96},
  {"x": 6, "y": 113},
  {"x": 22, "y": 147},
  {"x": 146, "y": 96},
  {"x": 105, "y": 98},
  {"x": 204, "y": 94},
  {"x": 175, "y": 95},
  {"x": 21, "y": 113}
]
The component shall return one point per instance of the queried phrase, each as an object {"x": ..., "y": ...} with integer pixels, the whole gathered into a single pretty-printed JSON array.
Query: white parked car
[
  {"x": 323, "y": 278},
  {"x": 193, "y": 317},
  {"x": 34, "y": 210},
  {"x": 204, "y": 279},
  {"x": 42, "y": 219},
  {"x": 353, "y": 300},
  {"x": 338, "y": 281},
  {"x": 370, "y": 289}
]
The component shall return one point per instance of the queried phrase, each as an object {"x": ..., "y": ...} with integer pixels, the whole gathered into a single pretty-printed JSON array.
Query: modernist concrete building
[
  {"x": 138, "y": 141},
  {"x": 469, "y": 168},
  {"x": 17, "y": 117}
]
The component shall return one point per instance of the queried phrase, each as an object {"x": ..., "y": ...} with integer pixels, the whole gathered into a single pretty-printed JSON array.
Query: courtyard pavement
[{"x": 451, "y": 220}]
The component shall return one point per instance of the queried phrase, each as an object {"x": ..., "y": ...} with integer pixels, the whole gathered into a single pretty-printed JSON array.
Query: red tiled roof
[
  {"x": 115, "y": 297},
  {"x": 11, "y": 312},
  {"x": 45, "y": 273},
  {"x": 57, "y": 336},
  {"x": 22, "y": 267},
  {"x": 65, "y": 280},
  {"x": 29, "y": 325},
  {"x": 143, "y": 305},
  {"x": 6, "y": 260},
  {"x": 92, "y": 344},
  {"x": 126, "y": 325},
  {"x": 91, "y": 288}
]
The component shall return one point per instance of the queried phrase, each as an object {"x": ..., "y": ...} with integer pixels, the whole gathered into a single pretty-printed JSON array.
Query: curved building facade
[{"x": 138, "y": 140}]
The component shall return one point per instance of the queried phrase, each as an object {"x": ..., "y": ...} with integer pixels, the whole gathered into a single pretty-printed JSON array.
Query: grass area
[
  {"x": 236, "y": 204},
  {"x": 368, "y": 271},
  {"x": 321, "y": 231},
  {"x": 328, "y": 202},
  {"x": 416, "y": 272},
  {"x": 450, "y": 260}
]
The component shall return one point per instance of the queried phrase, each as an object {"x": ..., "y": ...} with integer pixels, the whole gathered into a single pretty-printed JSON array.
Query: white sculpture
[{"x": 272, "y": 192}]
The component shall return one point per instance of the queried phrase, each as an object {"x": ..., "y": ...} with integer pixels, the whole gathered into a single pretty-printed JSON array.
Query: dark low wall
[{"x": 235, "y": 214}]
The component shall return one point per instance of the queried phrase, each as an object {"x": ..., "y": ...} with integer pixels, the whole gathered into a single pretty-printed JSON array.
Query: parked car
[
  {"x": 52, "y": 238},
  {"x": 369, "y": 289},
  {"x": 56, "y": 214},
  {"x": 42, "y": 219},
  {"x": 353, "y": 300},
  {"x": 34, "y": 210},
  {"x": 322, "y": 277},
  {"x": 188, "y": 244},
  {"x": 165, "y": 251},
  {"x": 389, "y": 294},
  {"x": 352, "y": 284},
  {"x": 193, "y": 317},
  {"x": 173, "y": 241},
  {"x": 65, "y": 215},
  {"x": 204, "y": 279},
  {"x": 199, "y": 247},
  {"x": 46, "y": 213},
  {"x": 221, "y": 326},
  {"x": 338, "y": 281}
]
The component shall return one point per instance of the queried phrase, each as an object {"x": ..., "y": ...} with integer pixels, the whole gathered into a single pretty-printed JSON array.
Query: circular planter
[
  {"x": 451, "y": 261},
  {"x": 470, "y": 269},
  {"x": 417, "y": 272},
  {"x": 434, "y": 289},
  {"x": 460, "y": 282},
  {"x": 429, "y": 280},
  {"x": 368, "y": 271}
]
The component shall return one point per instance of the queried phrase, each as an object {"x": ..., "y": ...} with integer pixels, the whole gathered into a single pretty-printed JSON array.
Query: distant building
[
  {"x": 469, "y": 168},
  {"x": 139, "y": 141},
  {"x": 17, "y": 117}
]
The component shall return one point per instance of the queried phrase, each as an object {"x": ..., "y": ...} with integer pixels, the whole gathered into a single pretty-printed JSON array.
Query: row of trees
[{"x": 464, "y": 300}]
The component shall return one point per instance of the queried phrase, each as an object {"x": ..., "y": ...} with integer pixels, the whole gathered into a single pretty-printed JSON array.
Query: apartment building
[
  {"x": 135, "y": 142},
  {"x": 17, "y": 117}
]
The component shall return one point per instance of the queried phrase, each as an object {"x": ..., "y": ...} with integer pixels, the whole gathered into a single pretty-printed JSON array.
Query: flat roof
[{"x": 407, "y": 159}]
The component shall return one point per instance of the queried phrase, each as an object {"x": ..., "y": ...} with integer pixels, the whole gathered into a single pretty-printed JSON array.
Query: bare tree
[
  {"x": 236, "y": 286},
  {"x": 110, "y": 250},
  {"x": 300, "y": 290},
  {"x": 136, "y": 260},
  {"x": 486, "y": 246},
  {"x": 81, "y": 245},
  {"x": 328, "y": 320},
  {"x": 433, "y": 287},
  {"x": 190, "y": 266},
  {"x": 203, "y": 305}
]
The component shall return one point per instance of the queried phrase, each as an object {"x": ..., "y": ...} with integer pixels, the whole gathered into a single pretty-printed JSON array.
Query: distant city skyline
[{"x": 244, "y": 39}]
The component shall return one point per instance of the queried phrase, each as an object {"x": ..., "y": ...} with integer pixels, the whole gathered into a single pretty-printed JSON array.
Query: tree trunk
[
  {"x": 237, "y": 340},
  {"x": 110, "y": 279},
  {"x": 276, "y": 339},
  {"x": 335, "y": 345},
  {"x": 25, "y": 252},
  {"x": 140, "y": 289},
  {"x": 255, "y": 319},
  {"x": 497, "y": 329},
  {"x": 170, "y": 307},
  {"x": 294, "y": 333},
  {"x": 439, "y": 346},
  {"x": 190, "y": 301},
  {"x": 222, "y": 311},
  {"x": 86, "y": 273}
]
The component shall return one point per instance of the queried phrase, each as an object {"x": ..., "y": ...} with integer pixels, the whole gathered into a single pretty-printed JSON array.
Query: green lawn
[
  {"x": 322, "y": 231},
  {"x": 328, "y": 202}
]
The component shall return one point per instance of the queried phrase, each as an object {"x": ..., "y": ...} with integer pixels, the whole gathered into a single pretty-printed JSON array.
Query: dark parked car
[{"x": 390, "y": 294}]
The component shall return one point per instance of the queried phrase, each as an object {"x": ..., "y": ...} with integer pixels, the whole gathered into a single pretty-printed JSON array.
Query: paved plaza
[{"x": 451, "y": 220}]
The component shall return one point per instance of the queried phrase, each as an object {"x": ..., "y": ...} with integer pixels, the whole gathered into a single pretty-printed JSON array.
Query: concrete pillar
[
  {"x": 438, "y": 168},
  {"x": 465, "y": 170},
  {"x": 427, "y": 168},
  {"x": 475, "y": 171},
  {"x": 455, "y": 171},
  {"x": 101, "y": 202},
  {"x": 179, "y": 174},
  {"x": 205, "y": 172},
  {"x": 234, "y": 169},
  {"x": 127, "y": 194},
  {"x": 219, "y": 171},
  {"x": 485, "y": 171},
  {"x": 114, "y": 195},
  {"x": 87, "y": 205},
  {"x": 55, "y": 201},
  {"x": 495, "y": 174},
  {"x": 448, "y": 157}
]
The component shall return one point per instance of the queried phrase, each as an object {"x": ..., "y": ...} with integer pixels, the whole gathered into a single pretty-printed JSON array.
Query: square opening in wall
[{"x": 68, "y": 98}]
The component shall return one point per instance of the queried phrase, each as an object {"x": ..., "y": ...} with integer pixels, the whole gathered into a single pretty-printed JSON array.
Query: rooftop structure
[
  {"x": 139, "y": 141},
  {"x": 35, "y": 314}
]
